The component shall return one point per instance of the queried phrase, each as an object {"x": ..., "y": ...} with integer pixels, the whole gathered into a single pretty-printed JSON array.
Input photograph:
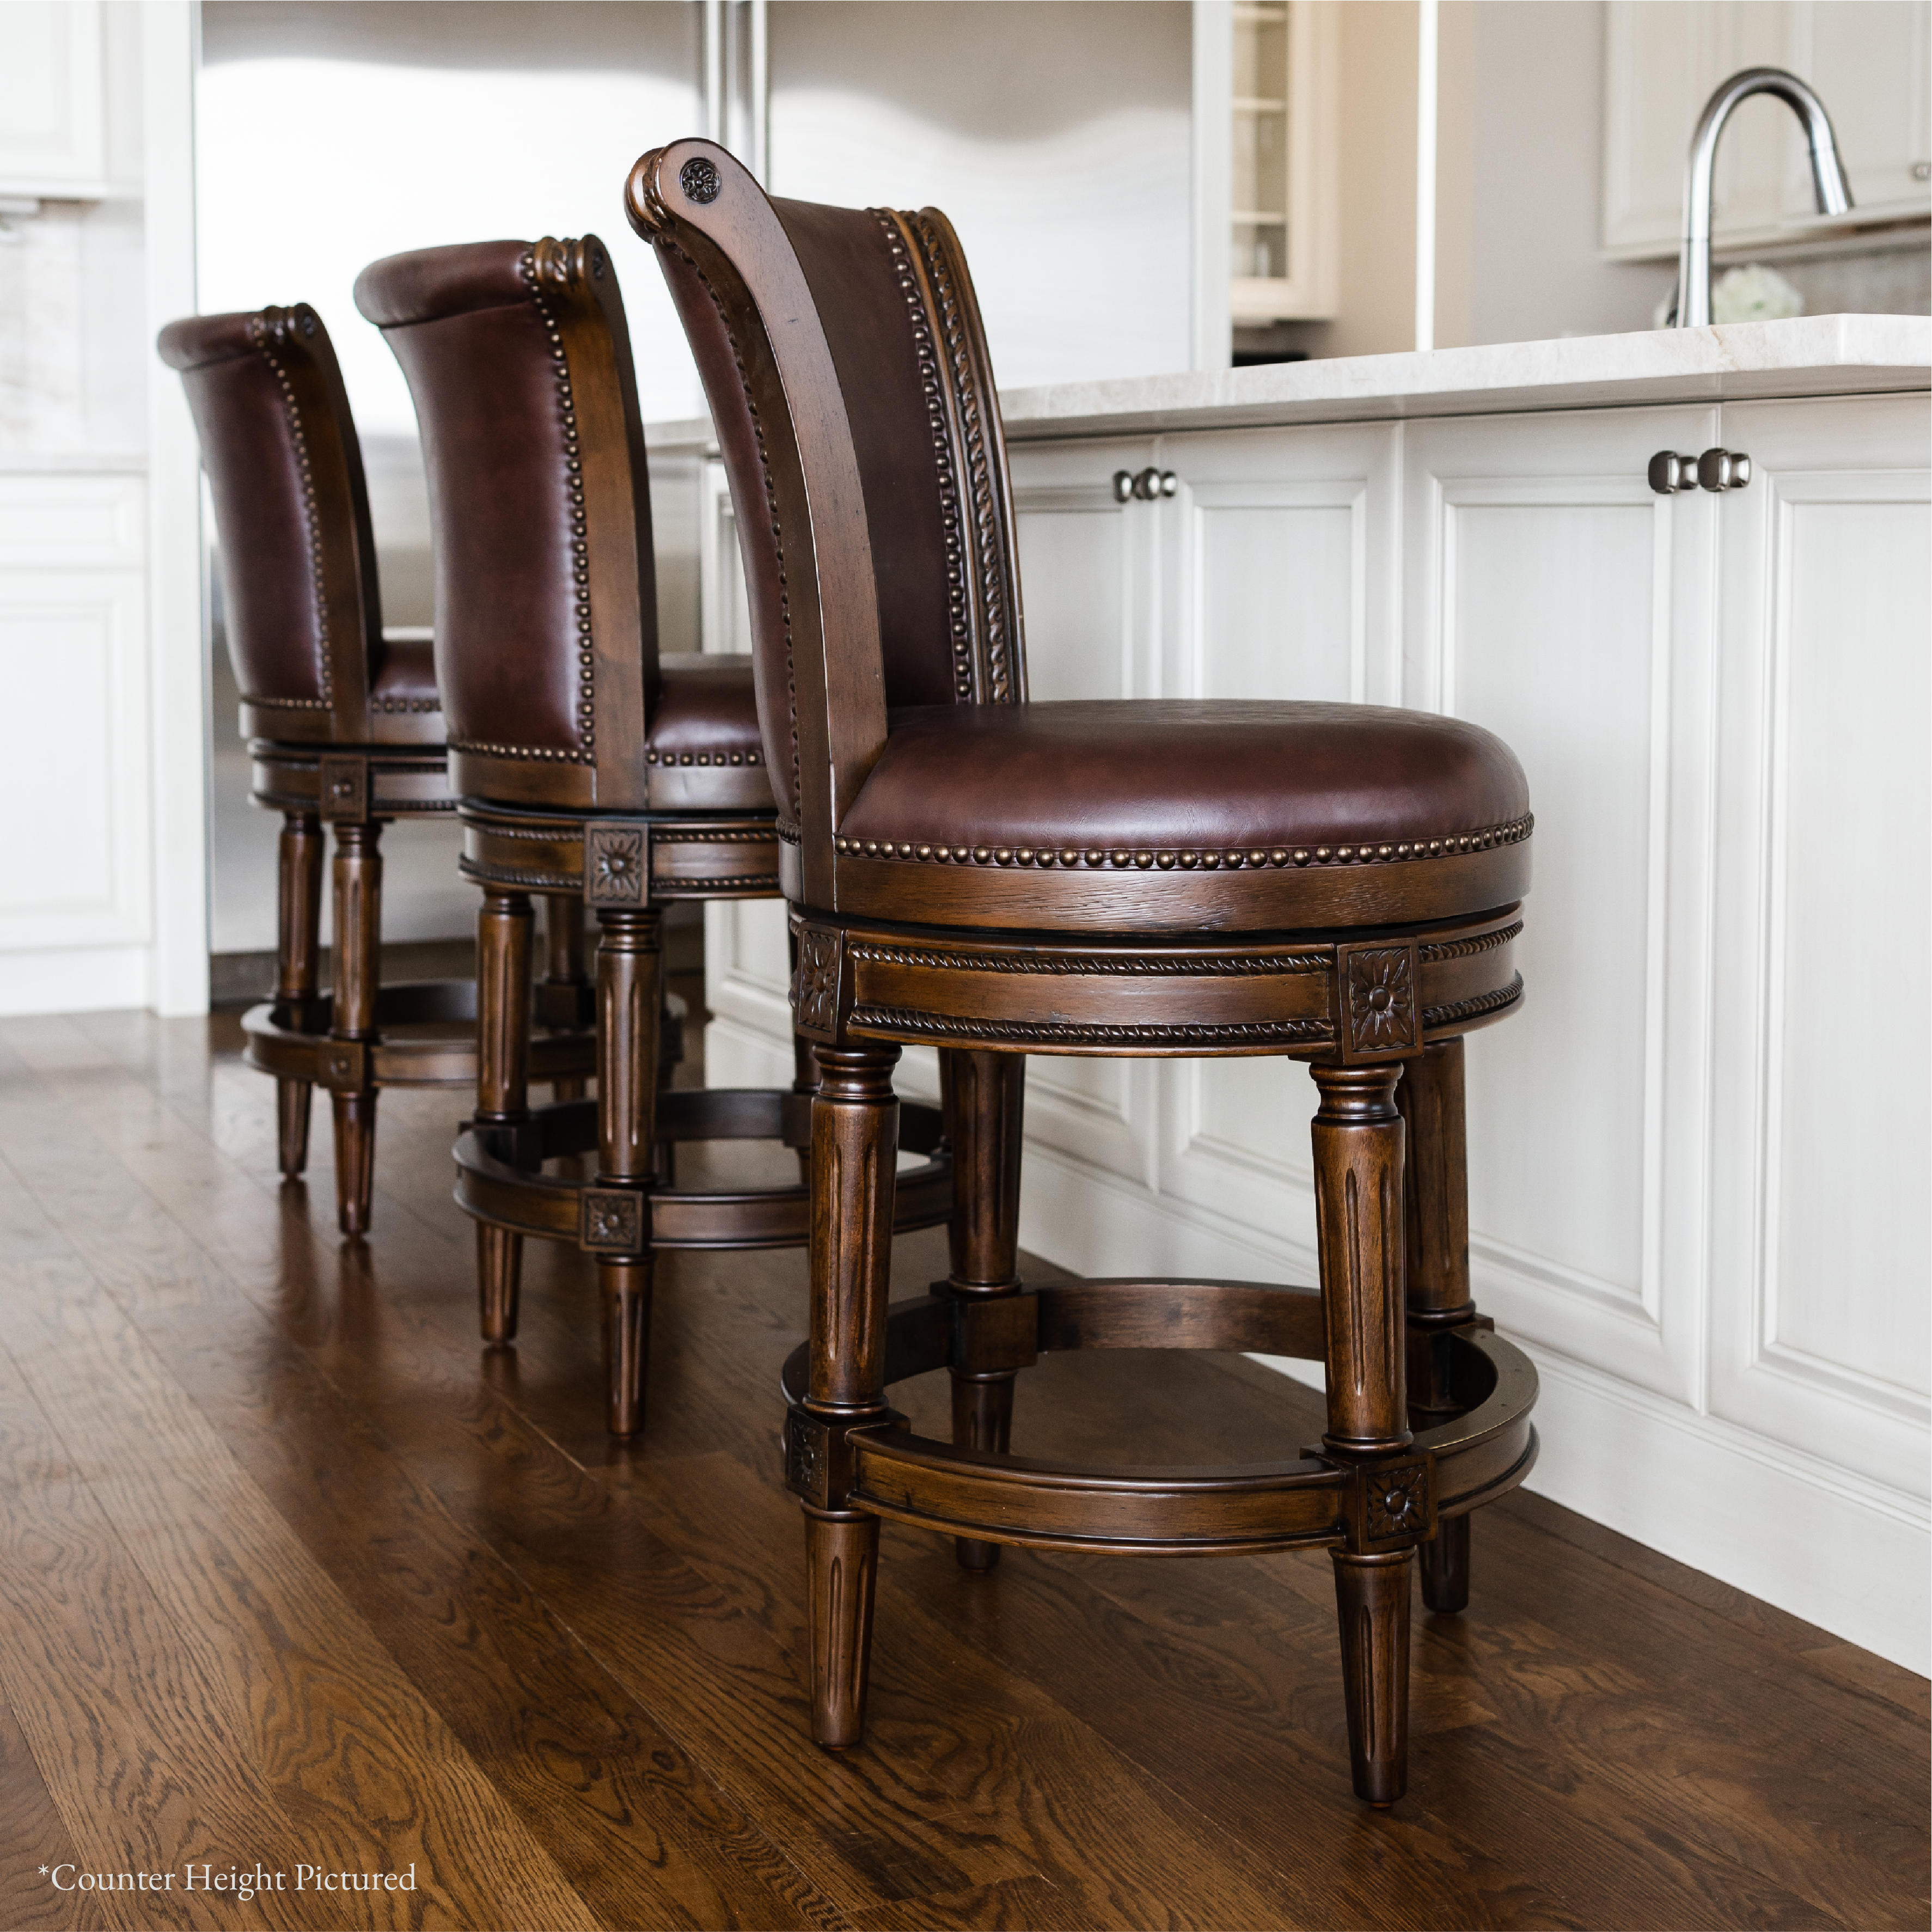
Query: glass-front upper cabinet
[{"x": 1283, "y": 181}]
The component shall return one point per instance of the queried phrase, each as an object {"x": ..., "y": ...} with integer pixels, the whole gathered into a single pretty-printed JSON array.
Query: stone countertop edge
[{"x": 1807, "y": 355}]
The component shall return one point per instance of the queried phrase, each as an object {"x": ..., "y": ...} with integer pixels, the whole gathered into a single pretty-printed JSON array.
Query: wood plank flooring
[{"x": 295, "y": 1574}]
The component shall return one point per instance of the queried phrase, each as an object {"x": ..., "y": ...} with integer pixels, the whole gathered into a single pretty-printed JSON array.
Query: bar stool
[
  {"x": 1336, "y": 883},
  {"x": 343, "y": 725},
  {"x": 585, "y": 762}
]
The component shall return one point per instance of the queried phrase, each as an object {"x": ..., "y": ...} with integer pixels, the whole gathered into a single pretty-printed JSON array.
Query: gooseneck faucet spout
[{"x": 1827, "y": 176}]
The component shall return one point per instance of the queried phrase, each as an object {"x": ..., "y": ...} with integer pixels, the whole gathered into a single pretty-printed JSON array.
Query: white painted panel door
[
  {"x": 1871, "y": 62},
  {"x": 74, "y": 729},
  {"x": 52, "y": 128},
  {"x": 1089, "y": 574},
  {"x": 1280, "y": 560},
  {"x": 1554, "y": 598},
  {"x": 1819, "y": 1334}
]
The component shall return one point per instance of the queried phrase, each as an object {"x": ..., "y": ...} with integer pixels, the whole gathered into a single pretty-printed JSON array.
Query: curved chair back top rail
[
  {"x": 849, "y": 380},
  {"x": 303, "y": 615},
  {"x": 884, "y": 574},
  {"x": 519, "y": 359}
]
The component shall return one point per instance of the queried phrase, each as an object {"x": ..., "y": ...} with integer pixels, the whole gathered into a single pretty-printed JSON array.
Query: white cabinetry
[
  {"x": 52, "y": 117},
  {"x": 75, "y": 920},
  {"x": 1867, "y": 58}
]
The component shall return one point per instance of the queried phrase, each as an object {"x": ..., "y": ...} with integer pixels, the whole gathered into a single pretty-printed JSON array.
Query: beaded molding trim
[
  {"x": 1472, "y": 1009},
  {"x": 270, "y": 325},
  {"x": 935, "y": 1026},
  {"x": 557, "y": 262},
  {"x": 996, "y": 586},
  {"x": 664, "y": 241},
  {"x": 1466, "y": 949},
  {"x": 1233, "y": 966},
  {"x": 701, "y": 758},
  {"x": 1125, "y": 858}
]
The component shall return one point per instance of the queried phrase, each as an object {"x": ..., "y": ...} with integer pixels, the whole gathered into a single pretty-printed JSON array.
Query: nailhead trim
[
  {"x": 260, "y": 329},
  {"x": 400, "y": 704},
  {"x": 558, "y": 263},
  {"x": 700, "y": 758},
  {"x": 1122, "y": 858},
  {"x": 485, "y": 749}
]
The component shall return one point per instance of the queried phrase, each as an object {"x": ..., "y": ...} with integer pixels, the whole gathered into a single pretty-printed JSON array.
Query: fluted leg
[
  {"x": 503, "y": 930},
  {"x": 1358, "y": 1212},
  {"x": 854, "y": 1142},
  {"x": 984, "y": 1098},
  {"x": 1436, "y": 1220},
  {"x": 1372, "y": 1606},
  {"x": 629, "y": 992},
  {"x": 298, "y": 952},
  {"x": 564, "y": 956},
  {"x": 358, "y": 940}
]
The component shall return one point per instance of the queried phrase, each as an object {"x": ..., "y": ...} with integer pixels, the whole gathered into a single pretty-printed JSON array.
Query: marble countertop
[{"x": 1810, "y": 355}]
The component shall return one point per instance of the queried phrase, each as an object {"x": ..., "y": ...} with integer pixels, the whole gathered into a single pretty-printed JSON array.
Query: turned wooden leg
[
  {"x": 1358, "y": 1214},
  {"x": 984, "y": 1096},
  {"x": 298, "y": 957},
  {"x": 1372, "y": 1606},
  {"x": 854, "y": 1147},
  {"x": 358, "y": 976},
  {"x": 564, "y": 957},
  {"x": 1435, "y": 1217},
  {"x": 502, "y": 1085},
  {"x": 629, "y": 994}
]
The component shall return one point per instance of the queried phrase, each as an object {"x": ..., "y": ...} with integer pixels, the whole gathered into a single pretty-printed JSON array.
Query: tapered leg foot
[
  {"x": 982, "y": 1419},
  {"x": 841, "y": 1556},
  {"x": 1445, "y": 1567},
  {"x": 499, "y": 1280},
  {"x": 354, "y": 1159},
  {"x": 626, "y": 1286},
  {"x": 1371, "y": 1602},
  {"x": 292, "y": 1110}
]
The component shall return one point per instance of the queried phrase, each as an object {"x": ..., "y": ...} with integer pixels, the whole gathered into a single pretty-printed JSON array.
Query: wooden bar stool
[
  {"x": 1337, "y": 883},
  {"x": 343, "y": 725},
  {"x": 585, "y": 763}
]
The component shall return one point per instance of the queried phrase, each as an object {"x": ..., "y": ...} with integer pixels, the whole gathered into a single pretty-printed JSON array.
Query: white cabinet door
[
  {"x": 1553, "y": 598},
  {"x": 1819, "y": 1336},
  {"x": 51, "y": 122},
  {"x": 1867, "y": 58},
  {"x": 1282, "y": 580},
  {"x": 74, "y": 731}
]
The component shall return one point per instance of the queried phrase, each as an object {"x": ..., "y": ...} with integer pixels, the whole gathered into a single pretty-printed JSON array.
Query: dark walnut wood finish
[
  {"x": 344, "y": 727},
  {"x": 590, "y": 768},
  {"x": 1340, "y": 884}
]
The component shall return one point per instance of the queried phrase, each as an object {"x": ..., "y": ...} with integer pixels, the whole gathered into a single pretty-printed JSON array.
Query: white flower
[{"x": 1753, "y": 293}]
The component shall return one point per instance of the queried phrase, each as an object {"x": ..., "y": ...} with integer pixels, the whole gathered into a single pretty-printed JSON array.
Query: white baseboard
[
  {"x": 75, "y": 979},
  {"x": 1760, "y": 1517}
]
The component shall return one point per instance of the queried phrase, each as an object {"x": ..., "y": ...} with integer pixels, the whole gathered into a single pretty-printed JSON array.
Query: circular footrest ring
[
  {"x": 291, "y": 1040},
  {"x": 877, "y": 1464},
  {"x": 499, "y": 1176}
]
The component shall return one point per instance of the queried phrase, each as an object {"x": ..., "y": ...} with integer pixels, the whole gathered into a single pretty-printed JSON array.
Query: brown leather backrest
[
  {"x": 298, "y": 561},
  {"x": 841, "y": 352},
  {"x": 519, "y": 359}
]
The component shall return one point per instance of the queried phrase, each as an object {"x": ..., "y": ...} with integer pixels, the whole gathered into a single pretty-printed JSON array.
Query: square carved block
[
  {"x": 611, "y": 1221},
  {"x": 342, "y": 1065},
  {"x": 1394, "y": 1505},
  {"x": 342, "y": 788},
  {"x": 616, "y": 863},
  {"x": 1379, "y": 990},
  {"x": 814, "y": 986}
]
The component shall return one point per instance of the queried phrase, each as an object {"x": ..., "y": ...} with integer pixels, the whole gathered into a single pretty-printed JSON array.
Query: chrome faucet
[{"x": 1827, "y": 176}]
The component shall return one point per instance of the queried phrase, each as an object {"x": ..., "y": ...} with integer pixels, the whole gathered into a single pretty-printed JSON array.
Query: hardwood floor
[{"x": 294, "y": 1573}]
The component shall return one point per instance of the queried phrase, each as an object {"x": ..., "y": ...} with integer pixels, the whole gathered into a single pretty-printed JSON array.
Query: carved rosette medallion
[
  {"x": 615, "y": 872},
  {"x": 613, "y": 1221},
  {"x": 343, "y": 789},
  {"x": 1396, "y": 1502},
  {"x": 1382, "y": 1018},
  {"x": 698, "y": 178},
  {"x": 814, "y": 991},
  {"x": 804, "y": 1452}
]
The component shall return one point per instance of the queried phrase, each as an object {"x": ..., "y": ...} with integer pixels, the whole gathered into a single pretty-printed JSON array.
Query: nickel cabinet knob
[
  {"x": 1144, "y": 486},
  {"x": 1716, "y": 469}
]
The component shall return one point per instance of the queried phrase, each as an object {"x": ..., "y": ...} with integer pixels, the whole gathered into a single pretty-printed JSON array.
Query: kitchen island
[{"x": 1696, "y": 1187}]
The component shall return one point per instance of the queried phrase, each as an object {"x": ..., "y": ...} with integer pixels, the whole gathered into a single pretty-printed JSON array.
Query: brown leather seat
[
  {"x": 405, "y": 678},
  {"x": 706, "y": 722},
  {"x": 1101, "y": 790}
]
